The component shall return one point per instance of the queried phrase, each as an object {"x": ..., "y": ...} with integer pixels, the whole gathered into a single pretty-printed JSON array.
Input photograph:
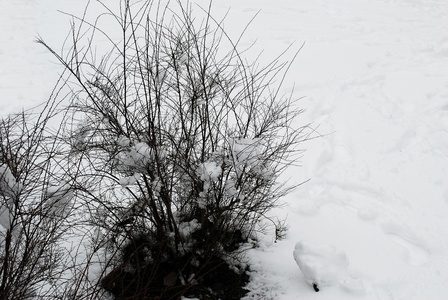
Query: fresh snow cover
[
  {"x": 8, "y": 188},
  {"x": 209, "y": 170},
  {"x": 138, "y": 156},
  {"x": 5, "y": 219},
  {"x": 133, "y": 159},
  {"x": 374, "y": 79},
  {"x": 123, "y": 141},
  {"x": 8, "y": 184},
  {"x": 322, "y": 265},
  {"x": 58, "y": 199},
  {"x": 246, "y": 150},
  {"x": 187, "y": 228},
  {"x": 129, "y": 180}
]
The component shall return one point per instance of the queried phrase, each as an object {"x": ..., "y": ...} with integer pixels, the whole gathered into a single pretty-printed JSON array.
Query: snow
[
  {"x": 9, "y": 187},
  {"x": 123, "y": 141},
  {"x": 209, "y": 171},
  {"x": 5, "y": 218},
  {"x": 58, "y": 199},
  {"x": 188, "y": 228},
  {"x": 374, "y": 77},
  {"x": 246, "y": 150},
  {"x": 129, "y": 180},
  {"x": 322, "y": 265}
]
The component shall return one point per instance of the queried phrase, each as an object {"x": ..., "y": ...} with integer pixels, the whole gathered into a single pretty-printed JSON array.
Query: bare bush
[
  {"x": 35, "y": 204},
  {"x": 181, "y": 143}
]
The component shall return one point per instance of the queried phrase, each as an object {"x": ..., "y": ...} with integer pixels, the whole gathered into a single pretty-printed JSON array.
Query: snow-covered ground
[{"x": 375, "y": 79}]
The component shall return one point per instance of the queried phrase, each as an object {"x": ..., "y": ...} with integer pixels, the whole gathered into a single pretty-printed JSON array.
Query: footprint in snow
[{"x": 416, "y": 253}]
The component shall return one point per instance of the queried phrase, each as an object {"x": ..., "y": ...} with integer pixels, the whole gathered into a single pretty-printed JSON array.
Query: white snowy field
[{"x": 374, "y": 74}]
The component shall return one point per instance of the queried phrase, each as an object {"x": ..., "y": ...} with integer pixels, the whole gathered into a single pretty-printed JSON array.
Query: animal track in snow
[{"x": 416, "y": 253}]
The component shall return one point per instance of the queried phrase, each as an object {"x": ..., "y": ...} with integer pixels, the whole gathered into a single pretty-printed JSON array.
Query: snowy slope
[{"x": 375, "y": 78}]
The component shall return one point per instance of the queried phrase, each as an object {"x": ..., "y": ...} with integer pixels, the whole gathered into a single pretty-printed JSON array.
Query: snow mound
[{"x": 322, "y": 265}]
